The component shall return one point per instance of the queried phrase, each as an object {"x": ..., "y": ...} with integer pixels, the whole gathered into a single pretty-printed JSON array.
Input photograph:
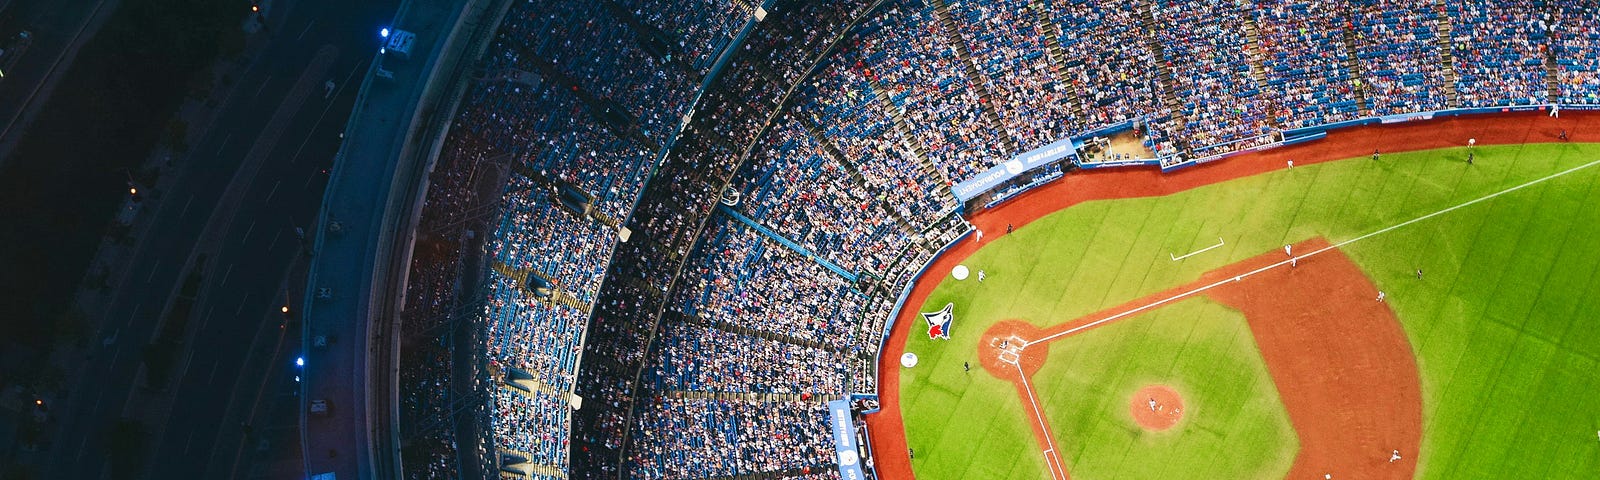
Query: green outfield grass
[{"x": 1505, "y": 326}]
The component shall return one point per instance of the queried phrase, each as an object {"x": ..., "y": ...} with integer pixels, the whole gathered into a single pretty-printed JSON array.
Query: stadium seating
[{"x": 815, "y": 177}]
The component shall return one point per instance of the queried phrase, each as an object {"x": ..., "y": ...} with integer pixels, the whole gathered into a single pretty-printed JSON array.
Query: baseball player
[
  {"x": 1374, "y": 154},
  {"x": 1294, "y": 262},
  {"x": 1380, "y": 295},
  {"x": 1291, "y": 164},
  {"x": 981, "y": 275},
  {"x": 1394, "y": 456},
  {"x": 1287, "y": 252},
  {"x": 1152, "y": 404}
]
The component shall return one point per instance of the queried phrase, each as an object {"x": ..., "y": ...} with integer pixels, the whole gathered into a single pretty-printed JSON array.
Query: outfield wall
[
  {"x": 893, "y": 460},
  {"x": 998, "y": 175}
]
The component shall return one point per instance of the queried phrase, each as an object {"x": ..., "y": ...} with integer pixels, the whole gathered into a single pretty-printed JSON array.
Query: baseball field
[{"x": 1137, "y": 325}]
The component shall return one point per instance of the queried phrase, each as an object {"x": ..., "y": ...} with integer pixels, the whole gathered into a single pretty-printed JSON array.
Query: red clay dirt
[
  {"x": 1011, "y": 335},
  {"x": 1338, "y": 357},
  {"x": 1341, "y": 362},
  {"x": 1156, "y": 407},
  {"x": 889, "y": 441}
]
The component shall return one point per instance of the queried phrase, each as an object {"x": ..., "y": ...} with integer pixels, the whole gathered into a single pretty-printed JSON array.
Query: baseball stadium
[{"x": 990, "y": 239}]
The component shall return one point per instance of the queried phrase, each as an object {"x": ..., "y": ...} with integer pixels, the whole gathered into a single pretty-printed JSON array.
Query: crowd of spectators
[
  {"x": 1304, "y": 57},
  {"x": 1223, "y": 105},
  {"x": 571, "y": 101},
  {"x": 921, "y": 72},
  {"x": 723, "y": 437},
  {"x": 1500, "y": 51},
  {"x": 665, "y": 226},
  {"x": 701, "y": 28},
  {"x": 433, "y": 300},
  {"x": 531, "y": 424},
  {"x": 596, "y": 50},
  {"x": 1398, "y": 50},
  {"x": 1576, "y": 33},
  {"x": 712, "y": 337},
  {"x": 1111, "y": 67},
  {"x": 800, "y": 190},
  {"x": 1008, "y": 49},
  {"x": 694, "y": 357},
  {"x": 845, "y": 101},
  {"x": 742, "y": 279}
]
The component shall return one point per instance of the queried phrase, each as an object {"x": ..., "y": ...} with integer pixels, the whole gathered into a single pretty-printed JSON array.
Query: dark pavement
[
  {"x": 272, "y": 141},
  {"x": 58, "y": 28}
]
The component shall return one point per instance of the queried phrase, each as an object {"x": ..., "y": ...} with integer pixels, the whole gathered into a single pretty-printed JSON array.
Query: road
[
  {"x": 243, "y": 188},
  {"x": 58, "y": 27}
]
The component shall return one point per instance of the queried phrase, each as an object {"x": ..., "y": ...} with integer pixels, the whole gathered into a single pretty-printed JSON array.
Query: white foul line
[
  {"x": 1320, "y": 250},
  {"x": 1044, "y": 429},
  {"x": 1196, "y": 252}
]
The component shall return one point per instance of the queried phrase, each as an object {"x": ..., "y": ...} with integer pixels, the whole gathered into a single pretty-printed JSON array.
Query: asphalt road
[
  {"x": 58, "y": 27},
  {"x": 276, "y": 134}
]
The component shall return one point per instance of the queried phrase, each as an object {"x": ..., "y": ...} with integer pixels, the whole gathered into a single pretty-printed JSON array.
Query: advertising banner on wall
[
  {"x": 844, "y": 440},
  {"x": 1018, "y": 165}
]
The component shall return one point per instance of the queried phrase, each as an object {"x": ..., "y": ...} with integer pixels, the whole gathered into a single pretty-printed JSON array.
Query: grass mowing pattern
[
  {"x": 1233, "y": 426},
  {"x": 1503, "y": 324}
]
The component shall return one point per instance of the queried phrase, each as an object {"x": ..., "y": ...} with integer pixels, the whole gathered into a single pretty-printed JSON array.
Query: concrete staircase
[
  {"x": 548, "y": 71},
  {"x": 848, "y": 163},
  {"x": 1147, "y": 20},
  {"x": 678, "y": 58},
  {"x": 918, "y": 150},
  {"x": 975, "y": 77},
  {"x": 743, "y": 330},
  {"x": 532, "y": 384},
  {"x": 517, "y": 465},
  {"x": 1256, "y": 57},
  {"x": 1352, "y": 64},
  {"x": 1552, "y": 68},
  {"x": 1058, "y": 56},
  {"x": 1446, "y": 43},
  {"x": 558, "y": 295}
]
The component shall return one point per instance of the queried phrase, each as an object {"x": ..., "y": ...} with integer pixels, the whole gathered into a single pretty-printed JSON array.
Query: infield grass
[{"x": 1505, "y": 323}]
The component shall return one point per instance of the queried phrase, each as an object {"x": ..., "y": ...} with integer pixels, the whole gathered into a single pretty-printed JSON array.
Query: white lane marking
[
  {"x": 1050, "y": 443},
  {"x": 1320, "y": 250}
]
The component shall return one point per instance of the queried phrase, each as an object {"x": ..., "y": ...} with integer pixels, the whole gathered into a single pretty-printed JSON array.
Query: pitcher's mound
[{"x": 1156, "y": 407}]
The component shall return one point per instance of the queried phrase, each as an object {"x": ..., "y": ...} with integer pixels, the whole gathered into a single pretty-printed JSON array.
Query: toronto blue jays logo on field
[{"x": 939, "y": 322}]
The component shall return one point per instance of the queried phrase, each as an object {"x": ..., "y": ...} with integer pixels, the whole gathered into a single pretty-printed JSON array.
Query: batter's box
[{"x": 1010, "y": 348}]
